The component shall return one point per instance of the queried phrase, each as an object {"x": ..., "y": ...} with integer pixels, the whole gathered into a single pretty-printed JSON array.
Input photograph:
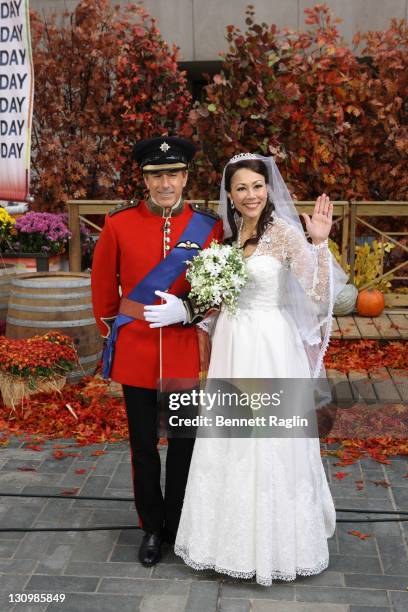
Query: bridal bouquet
[{"x": 217, "y": 274}]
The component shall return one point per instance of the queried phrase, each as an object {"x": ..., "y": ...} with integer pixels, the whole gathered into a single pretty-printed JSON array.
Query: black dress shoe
[{"x": 150, "y": 549}]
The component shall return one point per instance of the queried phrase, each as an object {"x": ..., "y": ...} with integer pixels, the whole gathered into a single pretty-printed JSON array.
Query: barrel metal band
[
  {"x": 86, "y": 282},
  {"x": 52, "y": 296},
  {"x": 50, "y": 324},
  {"x": 30, "y": 308}
]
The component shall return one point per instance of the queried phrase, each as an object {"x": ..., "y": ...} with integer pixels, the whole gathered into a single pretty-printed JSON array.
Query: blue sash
[{"x": 161, "y": 277}]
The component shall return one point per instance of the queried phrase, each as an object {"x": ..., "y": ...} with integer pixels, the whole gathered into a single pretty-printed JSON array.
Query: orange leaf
[
  {"x": 358, "y": 534},
  {"x": 341, "y": 475},
  {"x": 58, "y": 454}
]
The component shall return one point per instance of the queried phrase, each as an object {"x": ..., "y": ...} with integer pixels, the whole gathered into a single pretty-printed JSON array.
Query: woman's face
[{"x": 249, "y": 192}]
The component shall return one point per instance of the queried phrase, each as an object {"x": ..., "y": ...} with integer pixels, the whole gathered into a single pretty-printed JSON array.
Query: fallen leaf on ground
[{"x": 358, "y": 534}]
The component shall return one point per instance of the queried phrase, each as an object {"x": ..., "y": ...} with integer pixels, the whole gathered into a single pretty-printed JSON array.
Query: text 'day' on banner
[{"x": 16, "y": 99}]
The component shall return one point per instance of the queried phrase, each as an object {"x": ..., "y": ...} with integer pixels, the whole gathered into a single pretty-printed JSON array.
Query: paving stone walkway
[{"x": 98, "y": 571}]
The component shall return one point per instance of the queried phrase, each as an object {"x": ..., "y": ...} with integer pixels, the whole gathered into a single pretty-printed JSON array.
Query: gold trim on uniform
[{"x": 160, "y": 167}]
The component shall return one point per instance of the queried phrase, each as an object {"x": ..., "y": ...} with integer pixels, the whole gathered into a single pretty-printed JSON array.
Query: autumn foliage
[
  {"x": 381, "y": 136},
  {"x": 152, "y": 96},
  {"x": 366, "y": 355},
  {"x": 334, "y": 117},
  {"x": 333, "y": 121},
  {"x": 104, "y": 78}
]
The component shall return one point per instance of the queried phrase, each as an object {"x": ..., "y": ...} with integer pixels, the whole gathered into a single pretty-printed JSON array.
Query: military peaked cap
[{"x": 163, "y": 153}]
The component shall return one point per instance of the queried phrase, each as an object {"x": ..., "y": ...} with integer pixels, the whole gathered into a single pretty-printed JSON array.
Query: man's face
[{"x": 166, "y": 186}]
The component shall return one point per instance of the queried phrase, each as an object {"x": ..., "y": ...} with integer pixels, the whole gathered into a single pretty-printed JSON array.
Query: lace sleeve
[
  {"x": 309, "y": 263},
  {"x": 209, "y": 322}
]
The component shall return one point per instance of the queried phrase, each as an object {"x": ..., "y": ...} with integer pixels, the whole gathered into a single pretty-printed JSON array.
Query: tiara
[{"x": 242, "y": 156}]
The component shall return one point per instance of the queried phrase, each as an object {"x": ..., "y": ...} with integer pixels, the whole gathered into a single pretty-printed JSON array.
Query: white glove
[{"x": 173, "y": 311}]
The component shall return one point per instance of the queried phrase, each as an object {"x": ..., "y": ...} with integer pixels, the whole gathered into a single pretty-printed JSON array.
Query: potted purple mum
[{"x": 39, "y": 240}]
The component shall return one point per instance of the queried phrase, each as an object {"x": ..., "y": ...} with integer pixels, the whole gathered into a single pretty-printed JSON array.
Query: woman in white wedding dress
[{"x": 262, "y": 506}]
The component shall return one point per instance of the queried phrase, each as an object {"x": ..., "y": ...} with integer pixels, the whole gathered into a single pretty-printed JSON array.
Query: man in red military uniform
[{"x": 148, "y": 342}]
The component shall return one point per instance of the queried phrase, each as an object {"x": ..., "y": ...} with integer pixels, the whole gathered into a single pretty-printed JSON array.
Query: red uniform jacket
[{"x": 129, "y": 246}]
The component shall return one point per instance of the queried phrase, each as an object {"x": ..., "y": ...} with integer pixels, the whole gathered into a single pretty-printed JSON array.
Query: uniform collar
[{"x": 174, "y": 211}]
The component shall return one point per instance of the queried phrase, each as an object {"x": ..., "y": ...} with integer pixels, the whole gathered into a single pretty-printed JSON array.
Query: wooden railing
[
  {"x": 77, "y": 209},
  {"x": 359, "y": 212},
  {"x": 345, "y": 214}
]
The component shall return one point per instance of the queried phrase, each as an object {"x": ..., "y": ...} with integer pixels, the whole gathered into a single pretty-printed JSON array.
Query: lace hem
[{"x": 262, "y": 580}]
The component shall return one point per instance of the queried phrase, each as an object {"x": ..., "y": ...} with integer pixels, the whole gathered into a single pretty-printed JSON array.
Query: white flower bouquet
[{"x": 217, "y": 275}]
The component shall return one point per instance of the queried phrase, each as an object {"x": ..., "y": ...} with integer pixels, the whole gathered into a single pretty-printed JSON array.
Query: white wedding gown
[{"x": 261, "y": 507}]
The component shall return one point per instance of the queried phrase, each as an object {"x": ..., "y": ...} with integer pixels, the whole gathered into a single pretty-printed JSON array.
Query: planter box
[
  {"x": 36, "y": 262},
  {"x": 396, "y": 300}
]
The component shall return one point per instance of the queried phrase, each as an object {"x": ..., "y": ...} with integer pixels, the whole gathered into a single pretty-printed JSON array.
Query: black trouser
[{"x": 155, "y": 513}]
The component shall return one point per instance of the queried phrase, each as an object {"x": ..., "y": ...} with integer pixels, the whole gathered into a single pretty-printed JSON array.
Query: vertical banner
[{"x": 16, "y": 99}]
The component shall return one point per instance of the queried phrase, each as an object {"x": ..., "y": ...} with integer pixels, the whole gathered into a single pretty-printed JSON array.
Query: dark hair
[{"x": 265, "y": 219}]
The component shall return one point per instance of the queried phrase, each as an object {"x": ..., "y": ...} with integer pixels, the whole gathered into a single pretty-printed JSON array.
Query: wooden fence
[{"x": 345, "y": 214}]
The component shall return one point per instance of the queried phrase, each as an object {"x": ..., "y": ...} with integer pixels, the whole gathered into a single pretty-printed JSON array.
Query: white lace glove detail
[{"x": 160, "y": 315}]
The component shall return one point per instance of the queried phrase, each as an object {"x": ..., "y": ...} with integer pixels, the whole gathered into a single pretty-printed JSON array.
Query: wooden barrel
[
  {"x": 43, "y": 301},
  {"x": 7, "y": 273}
]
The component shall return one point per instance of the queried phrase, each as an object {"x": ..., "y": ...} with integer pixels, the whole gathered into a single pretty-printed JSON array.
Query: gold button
[{"x": 167, "y": 247}]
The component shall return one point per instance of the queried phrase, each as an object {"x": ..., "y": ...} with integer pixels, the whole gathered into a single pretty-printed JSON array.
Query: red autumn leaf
[
  {"x": 80, "y": 471},
  {"x": 344, "y": 462},
  {"x": 358, "y": 534},
  {"x": 58, "y": 454},
  {"x": 27, "y": 469},
  {"x": 98, "y": 452},
  {"x": 341, "y": 475},
  {"x": 63, "y": 445},
  {"x": 73, "y": 491},
  {"x": 34, "y": 447}
]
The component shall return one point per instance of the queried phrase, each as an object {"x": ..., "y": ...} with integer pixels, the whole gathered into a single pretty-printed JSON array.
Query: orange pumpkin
[{"x": 370, "y": 303}]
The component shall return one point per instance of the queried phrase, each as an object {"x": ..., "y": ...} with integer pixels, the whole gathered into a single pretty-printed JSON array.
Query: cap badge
[{"x": 164, "y": 147}]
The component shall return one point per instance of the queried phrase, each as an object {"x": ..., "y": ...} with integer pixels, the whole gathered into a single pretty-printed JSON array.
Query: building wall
[{"x": 198, "y": 26}]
